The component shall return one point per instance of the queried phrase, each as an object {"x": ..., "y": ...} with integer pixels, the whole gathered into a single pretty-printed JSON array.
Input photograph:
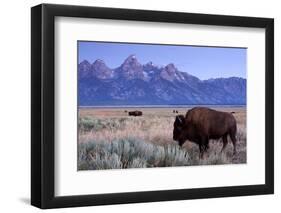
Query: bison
[
  {"x": 201, "y": 124},
  {"x": 135, "y": 113}
]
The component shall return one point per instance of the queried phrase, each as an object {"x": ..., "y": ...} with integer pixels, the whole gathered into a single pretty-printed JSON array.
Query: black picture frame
[{"x": 43, "y": 102}]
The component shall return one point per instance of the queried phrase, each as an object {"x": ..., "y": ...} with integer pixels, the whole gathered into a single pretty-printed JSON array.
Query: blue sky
[{"x": 202, "y": 62}]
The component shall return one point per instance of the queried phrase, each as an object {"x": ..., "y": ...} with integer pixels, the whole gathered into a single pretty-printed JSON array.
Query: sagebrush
[{"x": 129, "y": 153}]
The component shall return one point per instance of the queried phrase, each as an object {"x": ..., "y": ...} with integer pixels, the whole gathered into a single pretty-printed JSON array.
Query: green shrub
[
  {"x": 129, "y": 153},
  {"x": 95, "y": 124}
]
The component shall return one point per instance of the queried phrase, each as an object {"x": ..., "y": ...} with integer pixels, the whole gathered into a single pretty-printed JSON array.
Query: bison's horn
[{"x": 179, "y": 119}]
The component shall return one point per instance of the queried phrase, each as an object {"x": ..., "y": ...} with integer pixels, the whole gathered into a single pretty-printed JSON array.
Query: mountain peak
[
  {"x": 131, "y": 68},
  {"x": 99, "y": 65},
  {"x": 99, "y": 61},
  {"x": 149, "y": 66},
  {"x": 132, "y": 56},
  {"x": 100, "y": 70},
  {"x": 132, "y": 59},
  {"x": 84, "y": 68},
  {"x": 84, "y": 62},
  {"x": 170, "y": 68},
  {"x": 169, "y": 72}
]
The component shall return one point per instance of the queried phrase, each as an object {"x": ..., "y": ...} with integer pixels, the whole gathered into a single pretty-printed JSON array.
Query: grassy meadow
[{"x": 110, "y": 139}]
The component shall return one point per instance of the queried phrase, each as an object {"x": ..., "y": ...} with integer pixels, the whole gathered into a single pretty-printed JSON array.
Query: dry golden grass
[{"x": 156, "y": 127}]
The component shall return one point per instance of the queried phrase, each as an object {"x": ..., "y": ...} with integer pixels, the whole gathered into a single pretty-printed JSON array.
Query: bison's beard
[{"x": 181, "y": 142}]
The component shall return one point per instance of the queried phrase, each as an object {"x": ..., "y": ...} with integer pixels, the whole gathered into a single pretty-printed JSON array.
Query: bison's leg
[
  {"x": 207, "y": 146},
  {"x": 224, "y": 140},
  {"x": 201, "y": 149},
  {"x": 203, "y": 146},
  {"x": 233, "y": 139}
]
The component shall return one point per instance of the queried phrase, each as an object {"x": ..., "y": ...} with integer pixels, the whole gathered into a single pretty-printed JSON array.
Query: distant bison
[
  {"x": 201, "y": 124},
  {"x": 135, "y": 113}
]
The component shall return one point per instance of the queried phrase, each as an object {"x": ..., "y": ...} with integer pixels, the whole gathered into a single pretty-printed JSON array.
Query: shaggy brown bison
[
  {"x": 135, "y": 113},
  {"x": 201, "y": 124}
]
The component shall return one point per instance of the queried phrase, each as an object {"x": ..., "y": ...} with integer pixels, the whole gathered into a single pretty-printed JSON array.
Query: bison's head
[{"x": 178, "y": 129}]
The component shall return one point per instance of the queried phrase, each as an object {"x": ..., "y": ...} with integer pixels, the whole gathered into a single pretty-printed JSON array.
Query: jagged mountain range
[{"x": 133, "y": 83}]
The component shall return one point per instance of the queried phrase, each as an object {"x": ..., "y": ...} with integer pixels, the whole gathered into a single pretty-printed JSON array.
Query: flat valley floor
[{"x": 110, "y": 139}]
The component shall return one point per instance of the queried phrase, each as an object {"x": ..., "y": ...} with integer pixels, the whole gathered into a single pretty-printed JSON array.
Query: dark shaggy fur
[{"x": 202, "y": 124}]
